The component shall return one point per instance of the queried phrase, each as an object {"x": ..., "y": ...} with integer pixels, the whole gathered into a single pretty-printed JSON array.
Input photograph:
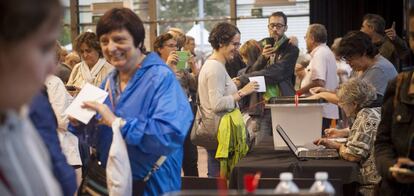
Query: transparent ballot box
[{"x": 301, "y": 119}]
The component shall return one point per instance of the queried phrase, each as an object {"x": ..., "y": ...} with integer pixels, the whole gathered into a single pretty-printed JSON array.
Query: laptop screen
[{"x": 286, "y": 138}]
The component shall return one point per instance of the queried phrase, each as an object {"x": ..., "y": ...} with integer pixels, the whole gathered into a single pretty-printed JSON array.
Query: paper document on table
[
  {"x": 87, "y": 93},
  {"x": 261, "y": 81}
]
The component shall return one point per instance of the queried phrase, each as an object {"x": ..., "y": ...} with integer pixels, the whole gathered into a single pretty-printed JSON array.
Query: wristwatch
[
  {"x": 122, "y": 123},
  {"x": 119, "y": 122}
]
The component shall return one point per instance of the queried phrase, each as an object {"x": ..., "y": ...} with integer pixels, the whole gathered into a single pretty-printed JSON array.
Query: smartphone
[
  {"x": 400, "y": 170},
  {"x": 71, "y": 88},
  {"x": 183, "y": 57},
  {"x": 405, "y": 168},
  {"x": 267, "y": 41}
]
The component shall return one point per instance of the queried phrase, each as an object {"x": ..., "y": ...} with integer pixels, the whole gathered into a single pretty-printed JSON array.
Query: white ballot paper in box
[
  {"x": 261, "y": 81},
  {"x": 88, "y": 93}
]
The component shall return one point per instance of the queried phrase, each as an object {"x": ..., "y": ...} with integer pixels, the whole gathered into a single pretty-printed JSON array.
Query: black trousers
[
  {"x": 138, "y": 187},
  {"x": 190, "y": 158}
]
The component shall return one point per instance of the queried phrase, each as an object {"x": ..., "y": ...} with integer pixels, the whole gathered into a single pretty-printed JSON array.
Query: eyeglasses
[
  {"x": 171, "y": 45},
  {"x": 349, "y": 59},
  {"x": 277, "y": 25}
]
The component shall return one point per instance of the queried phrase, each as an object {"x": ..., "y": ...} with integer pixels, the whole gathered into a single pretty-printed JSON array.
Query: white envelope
[
  {"x": 88, "y": 93},
  {"x": 261, "y": 81}
]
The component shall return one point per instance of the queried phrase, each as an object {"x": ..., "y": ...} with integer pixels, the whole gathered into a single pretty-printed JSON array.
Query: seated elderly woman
[
  {"x": 93, "y": 68},
  {"x": 355, "y": 96}
]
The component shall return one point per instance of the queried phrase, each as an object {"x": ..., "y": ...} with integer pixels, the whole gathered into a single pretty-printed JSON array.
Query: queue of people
[{"x": 164, "y": 108}]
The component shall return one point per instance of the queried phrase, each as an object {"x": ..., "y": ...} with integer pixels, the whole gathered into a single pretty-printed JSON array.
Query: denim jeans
[{"x": 213, "y": 168}]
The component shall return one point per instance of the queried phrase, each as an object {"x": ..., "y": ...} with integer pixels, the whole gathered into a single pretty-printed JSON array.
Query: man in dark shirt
[
  {"x": 277, "y": 65},
  {"x": 395, "y": 135},
  {"x": 387, "y": 41}
]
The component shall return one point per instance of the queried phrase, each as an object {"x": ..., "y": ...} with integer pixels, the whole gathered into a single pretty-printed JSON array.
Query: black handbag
[{"x": 94, "y": 181}]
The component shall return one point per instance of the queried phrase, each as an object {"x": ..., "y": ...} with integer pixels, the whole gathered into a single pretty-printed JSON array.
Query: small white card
[
  {"x": 88, "y": 93},
  {"x": 261, "y": 81}
]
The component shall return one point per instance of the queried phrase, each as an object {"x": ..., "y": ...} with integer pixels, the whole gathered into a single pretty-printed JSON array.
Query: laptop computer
[{"x": 303, "y": 153}]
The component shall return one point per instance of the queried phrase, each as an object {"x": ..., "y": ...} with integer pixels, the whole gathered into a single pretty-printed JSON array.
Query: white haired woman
[{"x": 355, "y": 96}]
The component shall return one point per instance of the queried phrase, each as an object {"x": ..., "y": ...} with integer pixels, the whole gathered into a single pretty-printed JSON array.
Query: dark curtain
[{"x": 341, "y": 16}]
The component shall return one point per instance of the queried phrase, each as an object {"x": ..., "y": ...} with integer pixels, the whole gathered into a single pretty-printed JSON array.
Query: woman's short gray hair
[{"x": 357, "y": 91}]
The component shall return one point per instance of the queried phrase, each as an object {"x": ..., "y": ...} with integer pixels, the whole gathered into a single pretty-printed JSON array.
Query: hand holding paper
[
  {"x": 261, "y": 81},
  {"x": 88, "y": 93},
  {"x": 108, "y": 117}
]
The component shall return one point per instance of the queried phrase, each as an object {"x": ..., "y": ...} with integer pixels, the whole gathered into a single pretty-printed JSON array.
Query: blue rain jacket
[
  {"x": 44, "y": 120},
  {"x": 158, "y": 117}
]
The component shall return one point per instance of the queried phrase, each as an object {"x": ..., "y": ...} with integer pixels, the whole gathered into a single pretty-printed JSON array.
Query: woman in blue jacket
[{"x": 144, "y": 93}]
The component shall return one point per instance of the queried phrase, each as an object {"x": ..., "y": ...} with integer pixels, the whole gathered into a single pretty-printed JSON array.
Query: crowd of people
[{"x": 164, "y": 106}]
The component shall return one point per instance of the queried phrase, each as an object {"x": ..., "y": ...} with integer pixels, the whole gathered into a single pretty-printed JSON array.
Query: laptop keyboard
[{"x": 321, "y": 153}]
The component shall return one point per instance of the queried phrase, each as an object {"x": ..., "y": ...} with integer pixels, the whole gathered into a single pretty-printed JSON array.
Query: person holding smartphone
[
  {"x": 394, "y": 143},
  {"x": 277, "y": 64},
  {"x": 166, "y": 47}
]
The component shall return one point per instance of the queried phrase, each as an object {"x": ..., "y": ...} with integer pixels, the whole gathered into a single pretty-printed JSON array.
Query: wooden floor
[{"x": 202, "y": 162}]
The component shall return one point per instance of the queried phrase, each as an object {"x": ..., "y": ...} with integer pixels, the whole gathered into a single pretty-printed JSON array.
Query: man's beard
[{"x": 276, "y": 36}]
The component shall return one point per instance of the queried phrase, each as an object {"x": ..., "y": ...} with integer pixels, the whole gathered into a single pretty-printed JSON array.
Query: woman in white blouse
[
  {"x": 218, "y": 93},
  {"x": 93, "y": 68}
]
